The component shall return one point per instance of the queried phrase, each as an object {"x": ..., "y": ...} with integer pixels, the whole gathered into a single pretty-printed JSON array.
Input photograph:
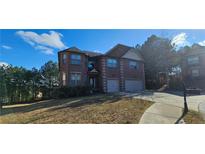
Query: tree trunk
[{"x": 1, "y": 107}]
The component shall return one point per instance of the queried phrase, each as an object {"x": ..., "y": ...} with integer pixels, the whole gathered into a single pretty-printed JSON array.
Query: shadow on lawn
[
  {"x": 83, "y": 102},
  {"x": 62, "y": 103},
  {"x": 32, "y": 107}
]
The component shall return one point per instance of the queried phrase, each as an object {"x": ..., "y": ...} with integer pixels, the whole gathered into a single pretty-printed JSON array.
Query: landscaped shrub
[
  {"x": 175, "y": 84},
  {"x": 152, "y": 84},
  {"x": 66, "y": 92}
]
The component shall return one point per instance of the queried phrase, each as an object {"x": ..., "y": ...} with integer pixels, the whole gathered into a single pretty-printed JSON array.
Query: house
[
  {"x": 193, "y": 67},
  {"x": 120, "y": 69}
]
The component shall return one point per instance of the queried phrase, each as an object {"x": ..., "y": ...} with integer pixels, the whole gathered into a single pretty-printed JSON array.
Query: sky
[{"x": 33, "y": 48}]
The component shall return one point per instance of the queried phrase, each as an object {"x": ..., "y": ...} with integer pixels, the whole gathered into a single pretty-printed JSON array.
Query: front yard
[
  {"x": 193, "y": 117},
  {"x": 99, "y": 109}
]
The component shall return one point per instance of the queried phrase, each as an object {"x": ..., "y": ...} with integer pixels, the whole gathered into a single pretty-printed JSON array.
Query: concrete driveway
[
  {"x": 168, "y": 107},
  {"x": 172, "y": 99}
]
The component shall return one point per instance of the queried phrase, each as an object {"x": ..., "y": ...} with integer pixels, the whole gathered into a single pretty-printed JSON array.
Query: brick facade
[
  {"x": 104, "y": 73},
  {"x": 187, "y": 68}
]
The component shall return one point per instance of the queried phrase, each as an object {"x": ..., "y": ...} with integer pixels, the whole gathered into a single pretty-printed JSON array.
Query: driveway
[
  {"x": 168, "y": 107},
  {"x": 173, "y": 99}
]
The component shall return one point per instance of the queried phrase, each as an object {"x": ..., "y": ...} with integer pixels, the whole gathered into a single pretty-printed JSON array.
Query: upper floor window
[
  {"x": 111, "y": 63},
  {"x": 75, "y": 79},
  {"x": 75, "y": 59},
  {"x": 193, "y": 60},
  {"x": 64, "y": 58},
  {"x": 195, "y": 72},
  {"x": 133, "y": 65}
]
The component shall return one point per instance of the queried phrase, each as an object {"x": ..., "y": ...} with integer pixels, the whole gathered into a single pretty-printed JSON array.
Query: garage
[
  {"x": 112, "y": 85},
  {"x": 133, "y": 85}
]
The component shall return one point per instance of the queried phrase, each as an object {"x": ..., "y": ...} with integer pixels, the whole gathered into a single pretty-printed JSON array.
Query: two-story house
[
  {"x": 193, "y": 67},
  {"x": 120, "y": 69}
]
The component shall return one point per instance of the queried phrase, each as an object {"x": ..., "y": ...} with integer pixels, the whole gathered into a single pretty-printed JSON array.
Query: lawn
[
  {"x": 98, "y": 109},
  {"x": 193, "y": 117}
]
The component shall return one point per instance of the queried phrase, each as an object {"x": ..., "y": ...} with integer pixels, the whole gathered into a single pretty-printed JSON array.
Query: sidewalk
[{"x": 160, "y": 113}]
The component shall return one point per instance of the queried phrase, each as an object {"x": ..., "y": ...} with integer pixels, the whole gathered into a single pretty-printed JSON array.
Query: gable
[
  {"x": 118, "y": 51},
  {"x": 133, "y": 54}
]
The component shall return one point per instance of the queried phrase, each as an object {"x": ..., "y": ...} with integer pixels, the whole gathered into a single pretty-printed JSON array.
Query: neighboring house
[
  {"x": 120, "y": 69},
  {"x": 193, "y": 67}
]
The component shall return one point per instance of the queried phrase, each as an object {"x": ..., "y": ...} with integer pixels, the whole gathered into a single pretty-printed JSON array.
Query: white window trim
[
  {"x": 73, "y": 60},
  {"x": 75, "y": 81},
  {"x": 64, "y": 78},
  {"x": 64, "y": 58},
  {"x": 112, "y": 64},
  {"x": 195, "y": 74},
  {"x": 193, "y": 60},
  {"x": 134, "y": 67}
]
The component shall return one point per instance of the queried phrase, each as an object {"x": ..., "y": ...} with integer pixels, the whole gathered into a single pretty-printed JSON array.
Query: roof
[
  {"x": 123, "y": 51},
  {"x": 91, "y": 53},
  {"x": 118, "y": 51},
  {"x": 77, "y": 50},
  {"x": 73, "y": 49},
  {"x": 195, "y": 50}
]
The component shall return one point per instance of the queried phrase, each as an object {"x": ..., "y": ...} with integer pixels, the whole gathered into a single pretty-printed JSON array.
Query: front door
[{"x": 93, "y": 82}]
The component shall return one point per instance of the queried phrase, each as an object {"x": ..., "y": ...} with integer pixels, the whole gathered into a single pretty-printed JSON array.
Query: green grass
[{"x": 92, "y": 109}]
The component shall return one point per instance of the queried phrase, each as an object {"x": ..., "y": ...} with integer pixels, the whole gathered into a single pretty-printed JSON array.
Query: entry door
[{"x": 93, "y": 82}]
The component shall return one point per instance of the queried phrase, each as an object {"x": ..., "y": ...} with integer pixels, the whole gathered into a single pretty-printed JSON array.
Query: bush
[
  {"x": 175, "y": 84},
  {"x": 66, "y": 92},
  {"x": 152, "y": 84}
]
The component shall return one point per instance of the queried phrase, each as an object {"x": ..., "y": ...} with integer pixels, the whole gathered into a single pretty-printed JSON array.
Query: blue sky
[{"x": 32, "y": 48}]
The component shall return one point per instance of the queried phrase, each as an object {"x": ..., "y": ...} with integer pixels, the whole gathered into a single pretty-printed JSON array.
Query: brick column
[
  {"x": 122, "y": 80},
  {"x": 143, "y": 75},
  {"x": 104, "y": 79}
]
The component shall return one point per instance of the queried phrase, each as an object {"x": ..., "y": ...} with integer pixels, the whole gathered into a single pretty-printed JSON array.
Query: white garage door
[
  {"x": 112, "y": 85},
  {"x": 133, "y": 85}
]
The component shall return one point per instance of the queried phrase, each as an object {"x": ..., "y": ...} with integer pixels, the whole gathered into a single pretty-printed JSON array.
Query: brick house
[
  {"x": 120, "y": 69},
  {"x": 193, "y": 67}
]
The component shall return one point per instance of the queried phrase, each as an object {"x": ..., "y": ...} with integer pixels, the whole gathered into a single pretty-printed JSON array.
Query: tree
[
  {"x": 158, "y": 54},
  {"x": 18, "y": 84},
  {"x": 36, "y": 81},
  {"x": 49, "y": 72},
  {"x": 3, "y": 92}
]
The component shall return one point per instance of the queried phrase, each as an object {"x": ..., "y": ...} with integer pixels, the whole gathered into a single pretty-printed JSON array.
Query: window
[
  {"x": 75, "y": 79},
  {"x": 112, "y": 63},
  {"x": 193, "y": 60},
  {"x": 75, "y": 59},
  {"x": 64, "y": 58},
  {"x": 195, "y": 72},
  {"x": 64, "y": 78},
  {"x": 133, "y": 65},
  {"x": 91, "y": 65}
]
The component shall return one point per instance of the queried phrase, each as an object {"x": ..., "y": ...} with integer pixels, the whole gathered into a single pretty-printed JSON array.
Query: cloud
[
  {"x": 45, "y": 50},
  {"x": 180, "y": 40},
  {"x": 202, "y": 43},
  {"x": 44, "y": 42},
  {"x": 3, "y": 63},
  {"x": 6, "y": 47}
]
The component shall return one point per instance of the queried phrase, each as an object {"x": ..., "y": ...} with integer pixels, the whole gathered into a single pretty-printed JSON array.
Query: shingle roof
[
  {"x": 195, "y": 50},
  {"x": 73, "y": 49},
  {"x": 91, "y": 53},
  {"x": 88, "y": 53},
  {"x": 118, "y": 51}
]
